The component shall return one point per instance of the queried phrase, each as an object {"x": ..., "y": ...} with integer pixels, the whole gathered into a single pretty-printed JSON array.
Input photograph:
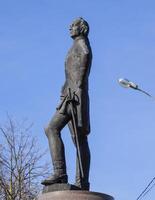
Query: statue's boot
[
  {"x": 59, "y": 175},
  {"x": 55, "y": 179},
  {"x": 83, "y": 182}
]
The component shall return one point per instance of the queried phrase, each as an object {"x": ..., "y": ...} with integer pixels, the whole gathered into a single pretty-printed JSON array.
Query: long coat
[{"x": 77, "y": 69}]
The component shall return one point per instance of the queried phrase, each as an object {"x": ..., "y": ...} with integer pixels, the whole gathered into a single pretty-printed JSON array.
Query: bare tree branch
[{"x": 21, "y": 162}]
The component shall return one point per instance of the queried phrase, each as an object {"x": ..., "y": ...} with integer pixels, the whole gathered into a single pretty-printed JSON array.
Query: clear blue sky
[{"x": 34, "y": 40}]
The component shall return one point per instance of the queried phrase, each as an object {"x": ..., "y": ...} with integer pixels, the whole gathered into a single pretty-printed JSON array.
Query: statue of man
[{"x": 77, "y": 68}]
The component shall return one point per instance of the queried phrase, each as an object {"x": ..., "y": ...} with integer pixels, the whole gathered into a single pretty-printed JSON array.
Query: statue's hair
[{"x": 84, "y": 27}]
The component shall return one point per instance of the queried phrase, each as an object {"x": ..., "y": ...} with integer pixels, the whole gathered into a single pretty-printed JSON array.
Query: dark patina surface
[{"x": 73, "y": 110}]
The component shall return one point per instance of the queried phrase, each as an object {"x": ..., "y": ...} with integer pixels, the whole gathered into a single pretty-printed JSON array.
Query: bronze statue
[{"x": 73, "y": 110}]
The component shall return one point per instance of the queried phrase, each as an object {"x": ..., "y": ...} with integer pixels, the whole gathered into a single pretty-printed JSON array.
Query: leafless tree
[{"x": 21, "y": 162}]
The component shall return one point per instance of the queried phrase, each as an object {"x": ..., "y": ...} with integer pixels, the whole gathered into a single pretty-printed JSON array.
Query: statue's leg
[
  {"x": 57, "y": 148},
  {"x": 83, "y": 183}
]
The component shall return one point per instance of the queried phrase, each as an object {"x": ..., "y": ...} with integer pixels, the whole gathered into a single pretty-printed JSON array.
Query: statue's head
[{"x": 79, "y": 27}]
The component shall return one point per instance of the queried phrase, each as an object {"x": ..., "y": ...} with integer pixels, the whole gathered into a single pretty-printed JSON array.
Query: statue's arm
[
  {"x": 83, "y": 64},
  {"x": 82, "y": 69}
]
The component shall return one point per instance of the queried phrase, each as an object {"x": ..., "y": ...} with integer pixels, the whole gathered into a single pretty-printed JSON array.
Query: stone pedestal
[
  {"x": 66, "y": 191},
  {"x": 59, "y": 187},
  {"x": 74, "y": 195}
]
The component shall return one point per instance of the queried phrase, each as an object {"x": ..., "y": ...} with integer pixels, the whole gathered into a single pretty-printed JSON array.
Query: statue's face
[{"x": 75, "y": 29}]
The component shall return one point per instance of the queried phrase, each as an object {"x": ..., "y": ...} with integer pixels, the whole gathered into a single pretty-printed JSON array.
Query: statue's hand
[
  {"x": 78, "y": 91},
  {"x": 79, "y": 84}
]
